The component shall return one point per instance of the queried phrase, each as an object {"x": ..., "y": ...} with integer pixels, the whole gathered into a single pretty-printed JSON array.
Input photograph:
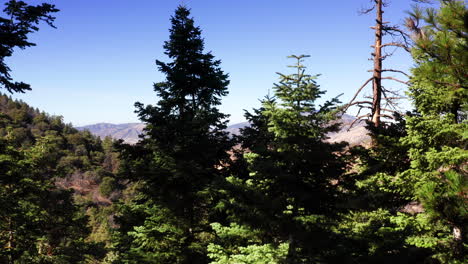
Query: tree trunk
[
  {"x": 291, "y": 257},
  {"x": 377, "y": 76},
  {"x": 458, "y": 239}
]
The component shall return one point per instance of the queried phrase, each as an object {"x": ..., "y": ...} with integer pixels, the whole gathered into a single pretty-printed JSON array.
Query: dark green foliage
[
  {"x": 19, "y": 20},
  {"x": 179, "y": 159},
  {"x": 290, "y": 190},
  {"x": 377, "y": 182},
  {"x": 185, "y": 129},
  {"x": 378, "y": 198},
  {"x": 40, "y": 223}
]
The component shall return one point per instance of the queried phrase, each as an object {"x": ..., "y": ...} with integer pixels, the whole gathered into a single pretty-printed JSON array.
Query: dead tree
[{"x": 379, "y": 54}]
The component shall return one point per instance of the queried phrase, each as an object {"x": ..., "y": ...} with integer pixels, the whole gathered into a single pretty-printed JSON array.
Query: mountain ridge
[{"x": 130, "y": 132}]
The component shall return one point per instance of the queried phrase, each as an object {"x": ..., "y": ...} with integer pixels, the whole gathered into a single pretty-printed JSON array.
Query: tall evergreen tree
[
  {"x": 437, "y": 137},
  {"x": 290, "y": 188},
  {"x": 180, "y": 156},
  {"x": 19, "y": 20}
]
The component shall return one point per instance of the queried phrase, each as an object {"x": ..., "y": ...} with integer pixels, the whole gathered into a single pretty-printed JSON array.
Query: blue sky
[{"x": 100, "y": 59}]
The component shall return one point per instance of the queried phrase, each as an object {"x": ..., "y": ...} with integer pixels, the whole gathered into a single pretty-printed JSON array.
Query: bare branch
[
  {"x": 358, "y": 118},
  {"x": 396, "y": 44},
  {"x": 357, "y": 93},
  {"x": 389, "y": 110},
  {"x": 364, "y": 10},
  {"x": 388, "y": 54},
  {"x": 392, "y": 70},
  {"x": 389, "y": 102},
  {"x": 386, "y": 116},
  {"x": 423, "y": 1},
  {"x": 360, "y": 102},
  {"x": 385, "y": 90},
  {"x": 395, "y": 79},
  {"x": 396, "y": 98},
  {"x": 359, "y": 111},
  {"x": 361, "y": 117},
  {"x": 395, "y": 31}
]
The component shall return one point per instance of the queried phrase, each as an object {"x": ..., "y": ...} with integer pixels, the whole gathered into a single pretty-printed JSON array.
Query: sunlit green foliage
[
  {"x": 288, "y": 189},
  {"x": 437, "y": 137},
  {"x": 43, "y": 220}
]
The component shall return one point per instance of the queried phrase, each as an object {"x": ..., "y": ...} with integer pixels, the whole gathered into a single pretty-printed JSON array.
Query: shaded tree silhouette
[{"x": 19, "y": 20}]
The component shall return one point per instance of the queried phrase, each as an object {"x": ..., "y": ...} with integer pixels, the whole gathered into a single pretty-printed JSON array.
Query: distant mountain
[
  {"x": 235, "y": 129},
  {"x": 352, "y": 131},
  {"x": 130, "y": 132}
]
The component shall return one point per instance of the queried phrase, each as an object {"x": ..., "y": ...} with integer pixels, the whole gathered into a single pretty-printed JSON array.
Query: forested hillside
[
  {"x": 57, "y": 196},
  {"x": 284, "y": 189}
]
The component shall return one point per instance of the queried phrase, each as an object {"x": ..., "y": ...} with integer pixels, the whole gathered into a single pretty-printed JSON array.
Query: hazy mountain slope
[
  {"x": 356, "y": 134},
  {"x": 235, "y": 129},
  {"x": 129, "y": 132}
]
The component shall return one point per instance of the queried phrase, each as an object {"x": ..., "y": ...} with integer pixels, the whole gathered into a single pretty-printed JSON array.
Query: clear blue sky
[{"x": 100, "y": 59}]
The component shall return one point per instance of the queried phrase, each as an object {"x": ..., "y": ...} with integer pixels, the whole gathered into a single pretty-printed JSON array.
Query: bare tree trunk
[
  {"x": 380, "y": 93},
  {"x": 377, "y": 76}
]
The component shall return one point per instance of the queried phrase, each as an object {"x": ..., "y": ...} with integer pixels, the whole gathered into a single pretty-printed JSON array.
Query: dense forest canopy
[{"x": 277, "y": 192}]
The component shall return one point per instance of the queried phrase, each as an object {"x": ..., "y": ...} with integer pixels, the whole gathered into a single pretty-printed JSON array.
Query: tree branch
[
  {"x": 395, "y": 79},
  {"x": 386, "y": 116},
  {"x": 392, "y": 70},
  {"x": 357, "y": 93},
  {"x": 389, "y": 110},
  {"x": 396, "y": 44},
  {"x": 358, "y": 118},
  {"x": 360, "y": 102}
]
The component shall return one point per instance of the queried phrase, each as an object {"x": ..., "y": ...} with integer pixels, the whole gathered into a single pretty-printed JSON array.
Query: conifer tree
[
  {"x": 180, "y": 156},
  {"x": 289, "y": 190},
  {"x": 380, "y": 201},
  {"x": 437, "y": 137},
  {"x": 19, "y": 20}
]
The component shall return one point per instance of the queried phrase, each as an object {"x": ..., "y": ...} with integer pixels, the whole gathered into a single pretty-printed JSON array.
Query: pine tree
[
  {"x": 437, "y": 137},
  {"x": 439, "y": 81},
  {"x": 179, "y": 159},
  {"x": 20, "y": 20}
]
